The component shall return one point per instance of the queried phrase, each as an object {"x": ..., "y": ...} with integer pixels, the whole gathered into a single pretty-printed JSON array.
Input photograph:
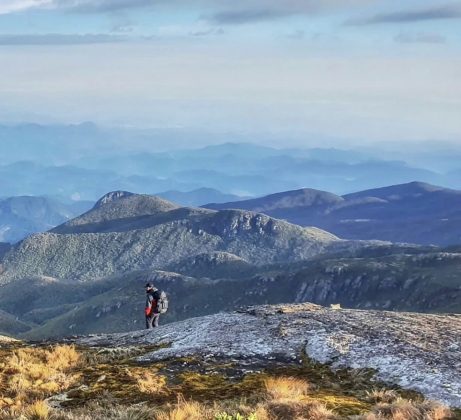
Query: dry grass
[
  {"x": 187, "y": 410},
  {"x": 39, "y": 410},
  {"x": 288, "y": 399},
  {"x": 106, "y": 412},
  {"x": 150, "y": 383},
  {"x": 121, "y": 390},
  {"x": 29, "y": 375},
  {"x": 382, "y": 396},
  {"x": 62, "y": 358},
  {"x": 319, "y": 411},
  {"x": 298, "y": 410},
  {"x": 286, "y": 388},
  {"x": 401, "y": 409},
  {"x": 261, "y": 413}
]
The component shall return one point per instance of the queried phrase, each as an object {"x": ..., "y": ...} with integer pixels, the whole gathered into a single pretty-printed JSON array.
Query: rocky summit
[
  {"x": 418, "y": 352},
  {"x": 126, "y": 232}
]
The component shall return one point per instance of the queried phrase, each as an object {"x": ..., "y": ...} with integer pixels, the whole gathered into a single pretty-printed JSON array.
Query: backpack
[{"x": 162, "y": 301}]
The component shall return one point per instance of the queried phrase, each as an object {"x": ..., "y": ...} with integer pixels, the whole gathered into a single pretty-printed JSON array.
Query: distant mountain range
[
  {"x": 86, "y": 161},
  {"x": 23, "y": 216},
  {"x": 125, "y": 232},
  {"x": 415, "y": 212},
  {"x": 87, "y": 274},
  {"x": 199, "y": 197},
  {"x": 239, "y": 174},
  {"x": 80, "y": 267}
]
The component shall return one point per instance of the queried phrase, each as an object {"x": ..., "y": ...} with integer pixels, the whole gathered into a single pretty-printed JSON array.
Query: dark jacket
[{"x": 151, "y": 302}]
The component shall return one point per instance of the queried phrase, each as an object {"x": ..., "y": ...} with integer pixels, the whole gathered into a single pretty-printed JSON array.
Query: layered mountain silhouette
[
  {"x": 62, "y": 161},
  {"x": 415, "y": 212},
  {"x": 39, "y": 306},
  {"x": 198, "y": 197},
  {"x": 22, "y": 216},
  {"x": 125, "y": 232}
]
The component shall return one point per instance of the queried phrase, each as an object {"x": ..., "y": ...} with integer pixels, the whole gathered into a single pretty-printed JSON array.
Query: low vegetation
[
  {"x": 62, "y": 382},
  {"x": 28, "y": 375}
]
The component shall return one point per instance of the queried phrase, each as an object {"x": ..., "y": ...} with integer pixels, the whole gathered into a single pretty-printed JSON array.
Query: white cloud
[
  {"x": 11, "y": 6},
  {"x": 213, "y": 8}
]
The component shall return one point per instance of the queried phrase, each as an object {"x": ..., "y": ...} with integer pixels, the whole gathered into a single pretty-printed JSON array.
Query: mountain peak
[
  {"x": 424, "y": 186},
  {"x": 399, "y": 191},
  {"x": 288, "y": 199},
  {"x": 111, "y": 197},
  {"x": 120, "y": 205}
]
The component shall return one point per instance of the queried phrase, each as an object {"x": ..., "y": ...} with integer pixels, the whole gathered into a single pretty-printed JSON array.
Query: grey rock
[{"x": 415, "y": 351}]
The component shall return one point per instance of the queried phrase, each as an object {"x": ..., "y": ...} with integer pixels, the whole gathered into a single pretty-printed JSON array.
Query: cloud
[
  {"x": 122, "y": 28},
  {"x": 241, "y": 11},
  {"x": 247, "y": 16},
  {"x": 436, "y": 13},
  {"x": 59, "y": 39},
  {"x": 219, "y": 6},
  {"x": 12, "y": 6},
  {"x": 207, "y": 32},
  {"x": 420, "y": 38},
  {"x": 89, "y": 6}
]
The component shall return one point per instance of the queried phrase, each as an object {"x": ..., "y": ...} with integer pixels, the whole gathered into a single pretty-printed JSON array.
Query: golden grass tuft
[
  {"x": 288, "y": 399},
  {"x": 319, "y": 411},
  {"x": 29, "y": 375},
  {"x": 401, "y": 409},
  {"x": 286, "y": 388},
  {"x": 261, "y": 413},
  {"x": 186, "y": 410},
  {"x": 299, "y": 410},
  {"x": 62, "y": 358},
  {"x": 151, "y": 383},
  {"x": 342, "y": 404},
  {"x": 39, "y": 410}
]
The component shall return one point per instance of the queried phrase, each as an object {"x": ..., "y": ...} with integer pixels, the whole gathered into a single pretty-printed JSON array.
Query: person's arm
[{"x": 149, "y": 301}]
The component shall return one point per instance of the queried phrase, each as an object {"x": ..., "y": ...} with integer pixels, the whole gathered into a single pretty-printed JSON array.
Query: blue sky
[{"x": 351, "y": 70}]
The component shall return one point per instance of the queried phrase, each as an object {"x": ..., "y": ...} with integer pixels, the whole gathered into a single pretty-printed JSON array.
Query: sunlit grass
[
  {"x": 39, "y": 410},
  {"x": 287, "y": 388},
  {"x": 186, "y": 410},
  {"x": 401, "y": 409},
  {"x": 120, "y": 389},
  {"x": 29, "y": 375}
]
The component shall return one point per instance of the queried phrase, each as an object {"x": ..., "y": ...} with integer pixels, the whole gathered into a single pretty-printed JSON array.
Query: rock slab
[{"x": 416, "y": 351}]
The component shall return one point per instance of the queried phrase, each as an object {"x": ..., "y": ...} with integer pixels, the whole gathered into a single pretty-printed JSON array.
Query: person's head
[{"x": 149, "y": 287}]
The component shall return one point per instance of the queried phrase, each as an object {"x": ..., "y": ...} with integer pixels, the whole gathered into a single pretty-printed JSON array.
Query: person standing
[{"x": 151, "y": 310}]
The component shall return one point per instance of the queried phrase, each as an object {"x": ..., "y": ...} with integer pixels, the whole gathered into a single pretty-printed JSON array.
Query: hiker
[{"x": 152, "y": 312}]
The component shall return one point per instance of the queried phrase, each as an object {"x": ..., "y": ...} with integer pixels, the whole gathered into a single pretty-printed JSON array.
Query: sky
[{"x": 358, "y": 71}]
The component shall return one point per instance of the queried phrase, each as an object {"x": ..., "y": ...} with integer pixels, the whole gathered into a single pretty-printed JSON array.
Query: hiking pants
[{"x": 152, "y": 321}]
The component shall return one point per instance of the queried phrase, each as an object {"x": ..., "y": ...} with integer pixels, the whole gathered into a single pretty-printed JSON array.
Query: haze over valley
[{"x": 215, "y": 210}]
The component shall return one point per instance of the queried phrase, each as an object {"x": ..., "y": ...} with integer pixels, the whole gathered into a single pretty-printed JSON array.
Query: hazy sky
[{"x": 362, "y": 70}]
